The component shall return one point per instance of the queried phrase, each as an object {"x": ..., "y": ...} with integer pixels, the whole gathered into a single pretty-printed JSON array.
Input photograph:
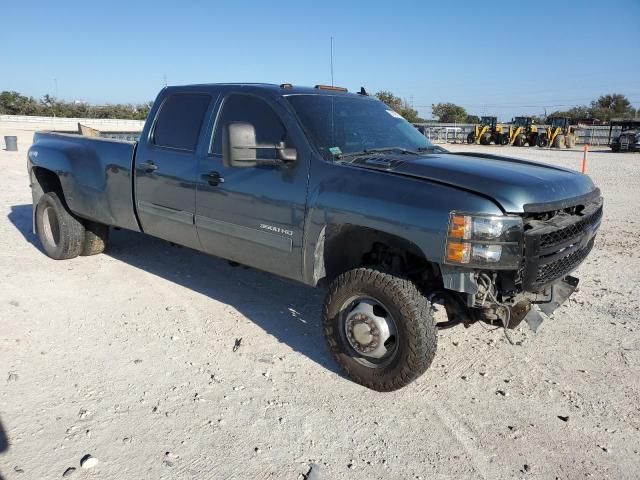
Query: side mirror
[
  {"x": 240, "y": 148},
  {"x": 239, "y": 145}
]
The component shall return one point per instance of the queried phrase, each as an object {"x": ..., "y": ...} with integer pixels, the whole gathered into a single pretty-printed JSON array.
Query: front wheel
[
  {"x": 559, "y": 141},
  {"x": 471, "y": 138},
  {"x": 379, "y": 328},
  {"x": 520, "y": 140}
]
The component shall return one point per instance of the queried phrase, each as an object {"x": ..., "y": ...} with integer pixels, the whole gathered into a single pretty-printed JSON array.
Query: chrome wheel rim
[
  {"x": 369, "y": 330},
  {"x": 50, "y": 226}
]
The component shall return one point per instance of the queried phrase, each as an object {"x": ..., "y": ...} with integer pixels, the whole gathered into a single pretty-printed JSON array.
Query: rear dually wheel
[{"x": 59, "y": 231}]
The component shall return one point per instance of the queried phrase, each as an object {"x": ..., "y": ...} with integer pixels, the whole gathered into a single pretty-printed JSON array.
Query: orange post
[{"x": 584, "y": 158}]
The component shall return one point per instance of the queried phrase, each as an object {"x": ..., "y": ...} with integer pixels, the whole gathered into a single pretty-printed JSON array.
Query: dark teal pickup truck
[{"x": 335, "y": 190}]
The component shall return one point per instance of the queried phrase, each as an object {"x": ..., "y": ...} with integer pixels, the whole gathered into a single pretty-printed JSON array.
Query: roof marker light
[{"x": 331, "y": 87}]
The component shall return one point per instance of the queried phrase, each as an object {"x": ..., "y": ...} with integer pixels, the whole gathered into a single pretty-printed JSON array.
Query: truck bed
[{"x": 96, "y": 174}]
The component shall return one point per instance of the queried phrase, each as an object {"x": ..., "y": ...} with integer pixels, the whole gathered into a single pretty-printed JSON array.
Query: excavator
[
  {"x": 522, "y": 131},
  {"x": 559, "y": 134},
  {"x": 489, "y": 131}
]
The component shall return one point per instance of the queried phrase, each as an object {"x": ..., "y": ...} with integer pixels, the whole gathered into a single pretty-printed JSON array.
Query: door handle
[
  {"x": 148, "y": 166},
  {"x": 214, "y": 178}
]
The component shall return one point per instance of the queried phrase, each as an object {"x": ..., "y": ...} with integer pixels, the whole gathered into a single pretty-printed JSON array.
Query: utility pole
[{"x": 332, "y": 61}]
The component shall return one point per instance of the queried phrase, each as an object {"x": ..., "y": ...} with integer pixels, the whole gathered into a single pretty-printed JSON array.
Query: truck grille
[
  {"x": 556, "y": 246},
  {"x": 572, "y": 231},
  {"x": 547, "y": 273}
]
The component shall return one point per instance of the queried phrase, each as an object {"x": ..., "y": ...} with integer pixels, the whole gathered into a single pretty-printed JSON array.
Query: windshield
[{"x": 340, "y": 125}]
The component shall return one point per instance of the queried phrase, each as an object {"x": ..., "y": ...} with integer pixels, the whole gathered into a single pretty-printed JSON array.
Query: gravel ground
[{"x": 129, "y": 357}]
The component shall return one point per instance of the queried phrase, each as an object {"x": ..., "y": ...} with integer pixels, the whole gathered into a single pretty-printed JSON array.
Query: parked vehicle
[
  {"x": 523, "y": 132},
  {"x": 337, "y": 191},
  {"x": 487, "y": 132},
  {"x": 559, "y": 134},
  {"x": 629, "y": 138}
]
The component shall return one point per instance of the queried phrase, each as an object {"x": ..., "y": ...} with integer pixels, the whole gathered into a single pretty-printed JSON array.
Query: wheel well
[
  {"x": 345, "y": 247},
  {"x": 48, "y": 181}
]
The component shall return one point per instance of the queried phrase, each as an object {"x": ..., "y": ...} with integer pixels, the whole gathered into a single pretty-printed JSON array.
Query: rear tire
[
  {"x": 96, "y": 236},
  {"x": 60, "y": 233},
  {"x": 409, "y": 350},
  {"x": 485, "y": 139},
  {"x": 571, "y": 141}
]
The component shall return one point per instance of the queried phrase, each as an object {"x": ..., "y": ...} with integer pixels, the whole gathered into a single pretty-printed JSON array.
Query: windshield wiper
[{"x": 372, "y": 151}]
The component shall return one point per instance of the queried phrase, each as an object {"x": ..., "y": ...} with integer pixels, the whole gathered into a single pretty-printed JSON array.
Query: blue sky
[{"x": 501, "y": 58}]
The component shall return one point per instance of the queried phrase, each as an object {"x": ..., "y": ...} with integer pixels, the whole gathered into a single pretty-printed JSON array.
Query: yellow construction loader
[
  {"x": 489, "y": 131},
  {"x": 559, "y": 134},
  {"x": 522, "y": 131}
]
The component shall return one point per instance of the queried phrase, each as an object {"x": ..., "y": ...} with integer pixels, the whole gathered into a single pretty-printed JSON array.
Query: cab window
[{"x": 179, "y": 121}]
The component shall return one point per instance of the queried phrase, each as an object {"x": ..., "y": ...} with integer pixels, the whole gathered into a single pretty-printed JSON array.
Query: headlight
[{"x": 484, "y": 241}]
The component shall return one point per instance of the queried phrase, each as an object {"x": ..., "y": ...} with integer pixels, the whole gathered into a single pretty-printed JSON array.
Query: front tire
[
  {"x": 379, "y": 328},
  {"x": 60, "y": 233},
  {"x": 520, "y": 140},
  {"x": 559, "y": 141}
]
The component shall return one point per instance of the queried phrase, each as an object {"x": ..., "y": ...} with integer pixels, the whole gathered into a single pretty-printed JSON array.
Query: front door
[
  {"x": 166, "y": 169},
  {"x": 254, "y": 215}
]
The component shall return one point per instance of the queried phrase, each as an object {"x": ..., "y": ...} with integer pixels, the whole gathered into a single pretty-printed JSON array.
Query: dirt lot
[{"x": 128, "y": 356}]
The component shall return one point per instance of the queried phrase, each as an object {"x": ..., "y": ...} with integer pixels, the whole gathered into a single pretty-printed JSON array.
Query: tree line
[
  {"x": 602, "y": 109},
  {"x": 13, "y": 103}
]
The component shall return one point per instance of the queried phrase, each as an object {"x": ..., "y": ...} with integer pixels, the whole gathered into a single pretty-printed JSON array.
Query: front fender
[{"x": 412, "y": 209}]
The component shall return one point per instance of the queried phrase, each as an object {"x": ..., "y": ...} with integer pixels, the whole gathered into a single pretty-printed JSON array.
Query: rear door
[
  {"x": 255, "y": 215},
  {"x": 166, "y": 168}
]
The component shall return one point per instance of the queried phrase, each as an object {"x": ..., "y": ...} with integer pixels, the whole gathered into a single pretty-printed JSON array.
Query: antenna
[
  {"x": 164, "y": 78},
  {"x": 332, "y": 61}
]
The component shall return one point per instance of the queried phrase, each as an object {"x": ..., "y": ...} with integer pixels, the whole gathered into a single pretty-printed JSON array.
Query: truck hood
[{"x": 515, "y": 184}]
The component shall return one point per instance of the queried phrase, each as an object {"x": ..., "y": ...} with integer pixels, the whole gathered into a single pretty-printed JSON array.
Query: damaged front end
[{"x": 554, "y": 242}]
